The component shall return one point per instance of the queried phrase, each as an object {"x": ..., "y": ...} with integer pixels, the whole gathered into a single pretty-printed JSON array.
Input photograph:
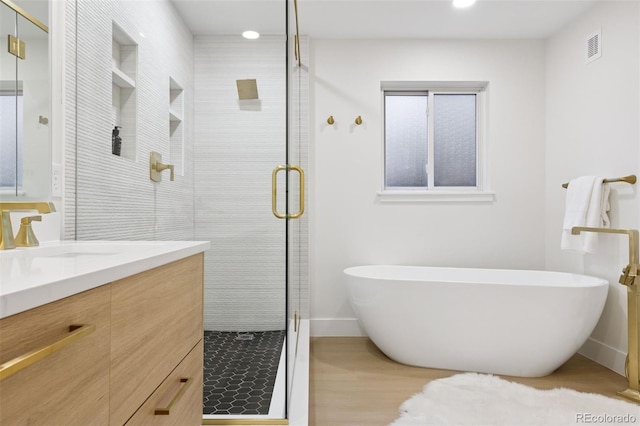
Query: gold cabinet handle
[
  {"x": 167, "y": 411},
  {"x": 76, "y": 332},
  {"x": 274, "y": 192}
]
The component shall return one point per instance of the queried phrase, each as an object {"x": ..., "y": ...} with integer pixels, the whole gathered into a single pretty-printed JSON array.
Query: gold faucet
[
  {"x": 7, "y": 240},
  {"x": 630, "y": 272},
  {"x": 628, "y": 278}
]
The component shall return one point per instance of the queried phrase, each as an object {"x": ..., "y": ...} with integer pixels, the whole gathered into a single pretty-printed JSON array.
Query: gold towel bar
[{"x": 629, "y": 179}]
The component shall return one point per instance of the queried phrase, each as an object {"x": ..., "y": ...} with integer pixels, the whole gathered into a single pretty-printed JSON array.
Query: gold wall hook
[
  {"x": 330, "y": 120},
  {"x": 358, "y": 120}
]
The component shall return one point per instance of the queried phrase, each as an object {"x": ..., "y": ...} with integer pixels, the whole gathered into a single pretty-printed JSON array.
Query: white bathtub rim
[{"x": 569, "y": 280}]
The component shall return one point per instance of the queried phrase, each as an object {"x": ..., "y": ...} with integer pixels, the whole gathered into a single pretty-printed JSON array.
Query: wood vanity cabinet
[
  {"x": 140, "y": 351},
  {"x": 70, "y": 386}
]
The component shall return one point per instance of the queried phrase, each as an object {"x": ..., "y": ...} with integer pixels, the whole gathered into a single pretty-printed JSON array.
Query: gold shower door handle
[{"x": 274, "y": 192}]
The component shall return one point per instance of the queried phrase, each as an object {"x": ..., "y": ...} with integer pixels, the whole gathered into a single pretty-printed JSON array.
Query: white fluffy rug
[{"x": 481, "y": 399}]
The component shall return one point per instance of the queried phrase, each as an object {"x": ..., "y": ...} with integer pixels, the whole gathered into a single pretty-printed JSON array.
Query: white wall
[
  {"x": 350, "y": 227},
  {"x": 592, "y": 116}
]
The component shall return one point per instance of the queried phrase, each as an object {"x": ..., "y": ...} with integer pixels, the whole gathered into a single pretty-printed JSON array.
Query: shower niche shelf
[
  {"x": 123, "y": 89},
  {"x": 176, "y": 126}
]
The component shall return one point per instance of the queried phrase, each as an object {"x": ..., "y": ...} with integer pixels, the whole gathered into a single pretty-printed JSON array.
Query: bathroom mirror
[{"x": 25, "y": 138}]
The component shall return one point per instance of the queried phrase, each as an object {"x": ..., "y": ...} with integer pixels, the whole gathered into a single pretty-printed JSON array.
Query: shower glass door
[
  {"x": 246, "y": 192},
  {"x": 238, "y": 143}
]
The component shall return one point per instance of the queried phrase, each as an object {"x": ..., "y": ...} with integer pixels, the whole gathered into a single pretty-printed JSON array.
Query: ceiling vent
[{"x": 594, "y": 46}]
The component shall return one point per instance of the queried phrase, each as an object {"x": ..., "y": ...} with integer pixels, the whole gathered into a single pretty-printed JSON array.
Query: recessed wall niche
[
  {"x": 124, "y": 96},
  {"x": 176, "y": 132}
]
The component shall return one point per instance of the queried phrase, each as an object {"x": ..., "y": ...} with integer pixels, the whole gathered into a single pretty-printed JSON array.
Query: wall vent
[{"x": 593, "y": 46}]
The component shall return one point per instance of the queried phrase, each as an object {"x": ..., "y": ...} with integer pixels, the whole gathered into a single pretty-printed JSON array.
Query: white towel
[{"x": 587, "y": 204}]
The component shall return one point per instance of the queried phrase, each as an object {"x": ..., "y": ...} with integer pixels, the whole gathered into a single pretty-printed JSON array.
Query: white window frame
[{"x": 479, "y": 193}]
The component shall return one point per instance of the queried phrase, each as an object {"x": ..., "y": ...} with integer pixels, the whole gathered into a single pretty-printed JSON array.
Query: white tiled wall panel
[
  {"x": 69, "y": 226},
  {"x": 107, "y": 185}
]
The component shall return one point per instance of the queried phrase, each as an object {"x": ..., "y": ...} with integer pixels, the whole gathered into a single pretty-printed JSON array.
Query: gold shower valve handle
[
  {"x": 156, "y": 166},
  {"x": 358, "y": 120},
  {"x": 160, "y": 167},
  {"x": 330, "y": 120}
]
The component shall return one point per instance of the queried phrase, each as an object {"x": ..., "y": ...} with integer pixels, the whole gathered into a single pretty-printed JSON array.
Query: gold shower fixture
[
  {"x": 330, "y": 120},
  {"x": 247, "y": 89},
  {"x": 358, "y": 120}
]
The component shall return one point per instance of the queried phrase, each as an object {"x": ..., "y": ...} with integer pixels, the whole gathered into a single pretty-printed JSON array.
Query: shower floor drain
[{"x": 245, "y": 336}]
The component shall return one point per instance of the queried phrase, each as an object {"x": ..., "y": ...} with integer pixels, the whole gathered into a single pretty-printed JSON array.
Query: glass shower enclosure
[{"x": 227, "y": 112}]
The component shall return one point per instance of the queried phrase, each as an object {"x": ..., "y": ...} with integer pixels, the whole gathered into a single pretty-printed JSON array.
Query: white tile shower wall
[
  {"x": 238, "y": 144},
  {"x": 69, "y": 147},
  {"x": 115, "y": 198}
]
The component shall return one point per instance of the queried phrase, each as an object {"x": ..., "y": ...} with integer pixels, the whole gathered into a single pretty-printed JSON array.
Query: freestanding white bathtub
[{"x": 509, "y": 322}]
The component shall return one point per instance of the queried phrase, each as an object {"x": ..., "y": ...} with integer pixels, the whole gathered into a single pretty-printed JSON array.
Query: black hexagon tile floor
[{"x": 240, "y": 371}]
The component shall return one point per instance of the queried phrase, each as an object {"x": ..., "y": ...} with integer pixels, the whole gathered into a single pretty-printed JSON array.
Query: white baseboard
[
  {"x": 347, "y": 327},
  {"x": 605, "y": 355}
]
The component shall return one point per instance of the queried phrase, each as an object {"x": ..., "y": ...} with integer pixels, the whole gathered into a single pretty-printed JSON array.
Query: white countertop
[{"x": 31, "y": 277}]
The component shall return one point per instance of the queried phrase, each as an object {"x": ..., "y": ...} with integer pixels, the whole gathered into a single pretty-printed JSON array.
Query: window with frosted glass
[
  {"x": 431, "y": 138},
  {"x": 406, "y": 149},
  {"x": 454, "y": 139}
]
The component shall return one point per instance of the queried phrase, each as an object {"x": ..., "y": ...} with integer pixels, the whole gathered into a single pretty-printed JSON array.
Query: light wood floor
[{"x": 353, "y": 384}]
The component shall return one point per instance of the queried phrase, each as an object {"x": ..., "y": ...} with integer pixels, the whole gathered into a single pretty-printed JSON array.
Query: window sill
[
  {"x": 435, "y": 196},
  {"x": 11, "y": 191}
]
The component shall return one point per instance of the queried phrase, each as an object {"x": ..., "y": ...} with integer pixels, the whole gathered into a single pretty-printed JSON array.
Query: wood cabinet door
[
  {"x": 70, "y": 385},
  {"x": 178, "y": 400}
]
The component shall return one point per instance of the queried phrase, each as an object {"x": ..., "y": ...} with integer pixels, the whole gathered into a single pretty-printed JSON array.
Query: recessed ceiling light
[
  {"x": 251, "y": 35},
  {"x": 461, "y": 4}
]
